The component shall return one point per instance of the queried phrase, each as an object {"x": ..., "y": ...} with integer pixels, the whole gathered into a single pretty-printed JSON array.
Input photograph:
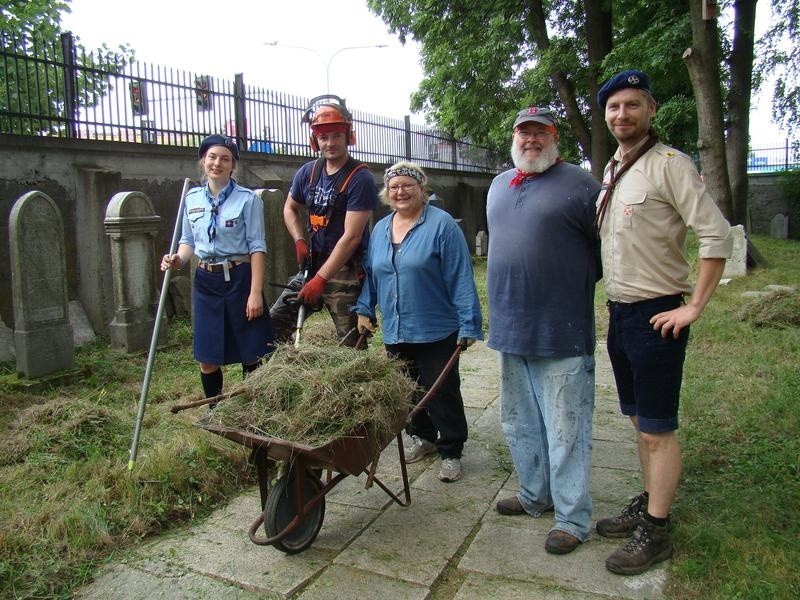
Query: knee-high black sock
[
  {"x": 247, "y": 369},
  {"x": 212, "y": 383}
]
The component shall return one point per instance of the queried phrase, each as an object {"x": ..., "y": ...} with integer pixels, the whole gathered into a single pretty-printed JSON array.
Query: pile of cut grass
[
  {"x": 312, "y": 395},
  {"x": 780, "y": 310}
]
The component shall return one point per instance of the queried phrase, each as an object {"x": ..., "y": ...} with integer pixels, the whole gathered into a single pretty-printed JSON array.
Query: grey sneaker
[
  {"x": 650, "y": 544},
  {"x": 451, "y": 470},
  {"x": 625, "y": 522},
  {"x": 418, "y": 449}
]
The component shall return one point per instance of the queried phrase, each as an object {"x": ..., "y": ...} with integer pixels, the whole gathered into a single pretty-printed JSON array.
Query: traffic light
[
  {"x": 138, "y": 92},
  {"x": 202, "y": 90}
]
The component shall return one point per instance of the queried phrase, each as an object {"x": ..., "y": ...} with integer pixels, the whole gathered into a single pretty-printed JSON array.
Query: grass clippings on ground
[
  {"x": 312, "y": 395},
  {"x": 780, "y": 310}
]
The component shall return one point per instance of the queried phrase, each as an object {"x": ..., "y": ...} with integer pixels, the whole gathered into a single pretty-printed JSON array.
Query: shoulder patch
[{"x": 670, "y": 153}]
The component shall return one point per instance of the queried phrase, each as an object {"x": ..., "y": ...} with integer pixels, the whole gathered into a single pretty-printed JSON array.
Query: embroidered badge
[
  {"x": 633, "y": 80},
  {"x": 670, "y": 153},
  {"x": 198, "y": 209},
  {"x": 231, "y": 223},
  {"x": 628, "y": 211}
]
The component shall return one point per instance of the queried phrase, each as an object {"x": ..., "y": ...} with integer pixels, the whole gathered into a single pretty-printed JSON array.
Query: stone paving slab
[
  {"x": 480, "y": 587},
  {"x": 517, "y": 552},
  {"x": 344, "y": 582}
]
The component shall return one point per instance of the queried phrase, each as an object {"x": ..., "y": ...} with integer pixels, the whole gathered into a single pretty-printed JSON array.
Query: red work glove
[
  {"x": 301, "y": 251},
  {"x": 312, "y": 290}
]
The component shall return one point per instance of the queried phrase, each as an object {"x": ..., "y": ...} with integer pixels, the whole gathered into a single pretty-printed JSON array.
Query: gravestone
[
  {"x": 281, "y": 262},
  {"x": 736, "y": 265},
  {"x": 132, "y": 225},
  {"x": 481, "y": 243},
  {"x": 779, "y": 227},
  {"x": 42, "y": 333}
]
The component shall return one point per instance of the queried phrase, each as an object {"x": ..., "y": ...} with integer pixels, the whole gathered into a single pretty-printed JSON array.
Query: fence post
[
  {"x": 786, "y": 155},
  {"x": 70, "y": 78},
  {"x": 407, "y": 123},
  {"x": 454, "y": 151},
  {"x": 240, "y": 111}
]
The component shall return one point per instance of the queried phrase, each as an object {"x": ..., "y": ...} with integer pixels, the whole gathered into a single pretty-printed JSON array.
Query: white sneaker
[
  {"x": 451, "y": 470},
  {"x": 418, "y": 449}
]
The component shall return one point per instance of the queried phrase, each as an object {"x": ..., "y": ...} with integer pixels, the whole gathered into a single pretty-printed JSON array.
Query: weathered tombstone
[
  {"x": 736, "y": 265},
  {"x": 82, "y": 331},
  {"x": 42, "y": 333},
  {"x": 779, "y": 227},
  {"x": 132, "y": 225},
  {"x": 481, "y": 243}
]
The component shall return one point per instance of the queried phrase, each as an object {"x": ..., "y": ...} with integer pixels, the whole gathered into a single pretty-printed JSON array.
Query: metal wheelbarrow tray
[{"x": 294, "y": 505}]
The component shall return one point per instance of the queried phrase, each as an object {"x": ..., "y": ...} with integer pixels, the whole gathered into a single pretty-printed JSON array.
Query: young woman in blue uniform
[{"x": 223, "y": 224}]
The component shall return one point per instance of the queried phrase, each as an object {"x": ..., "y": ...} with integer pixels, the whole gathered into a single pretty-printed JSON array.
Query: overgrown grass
[
  {"x": 69, "y": 502},
  {"x": 738, "y": 507}
]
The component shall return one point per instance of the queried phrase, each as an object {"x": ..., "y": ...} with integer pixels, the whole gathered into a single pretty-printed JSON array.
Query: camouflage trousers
[{"x": 339, "y": 296}]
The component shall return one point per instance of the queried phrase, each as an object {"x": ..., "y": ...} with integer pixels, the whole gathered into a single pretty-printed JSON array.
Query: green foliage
[{"x": 34, "y": 28}]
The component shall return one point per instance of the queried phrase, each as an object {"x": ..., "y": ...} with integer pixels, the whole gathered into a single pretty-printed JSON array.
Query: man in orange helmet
[{"x": 338, "y": 195}]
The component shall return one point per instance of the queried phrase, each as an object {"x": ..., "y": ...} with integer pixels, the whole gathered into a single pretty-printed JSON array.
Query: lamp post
[{"x": 329, "y": 59}]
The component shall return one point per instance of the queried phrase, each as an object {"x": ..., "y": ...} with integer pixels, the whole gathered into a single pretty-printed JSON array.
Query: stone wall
[
  {"x": 81, "y": 177},
  {"x": 767, "y": 197}
]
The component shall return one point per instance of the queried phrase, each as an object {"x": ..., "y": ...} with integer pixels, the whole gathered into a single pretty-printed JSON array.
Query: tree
[
  {"x": 779, "y": 55},
  {"x": 34, "y": 27},
  {"x": 483, "y": 61}
]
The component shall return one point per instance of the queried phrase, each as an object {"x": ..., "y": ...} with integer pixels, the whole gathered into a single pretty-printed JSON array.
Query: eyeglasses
[
  {"x": 395, "y": 187},
  {"x": 526, "y": 135}
]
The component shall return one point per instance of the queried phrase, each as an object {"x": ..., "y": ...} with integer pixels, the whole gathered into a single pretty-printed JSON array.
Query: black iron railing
[{"x": 54, "y": 88}]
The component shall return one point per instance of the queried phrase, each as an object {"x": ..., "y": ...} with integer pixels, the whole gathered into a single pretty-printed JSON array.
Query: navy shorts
[
  {"x": 222, "y": 333},
  {"x": 648, "y": 368}
]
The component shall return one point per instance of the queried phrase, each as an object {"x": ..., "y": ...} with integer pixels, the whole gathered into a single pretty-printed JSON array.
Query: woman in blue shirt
[
  {"x": 419, "y": 273},
  {"x": 223, "y": 224}
]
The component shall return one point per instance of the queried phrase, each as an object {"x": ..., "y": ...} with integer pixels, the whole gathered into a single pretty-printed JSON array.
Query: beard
[{"x": 546, "y": 159}]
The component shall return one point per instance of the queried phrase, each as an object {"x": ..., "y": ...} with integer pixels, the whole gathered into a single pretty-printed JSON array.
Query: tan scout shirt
[{"x": 644, "y": 229}]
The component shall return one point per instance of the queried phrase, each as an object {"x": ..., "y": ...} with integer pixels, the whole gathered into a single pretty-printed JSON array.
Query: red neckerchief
[{"x": 523, "y": 175}]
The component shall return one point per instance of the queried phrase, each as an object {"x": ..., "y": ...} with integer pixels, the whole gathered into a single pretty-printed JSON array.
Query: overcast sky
[{"x": 222, "y": 38}]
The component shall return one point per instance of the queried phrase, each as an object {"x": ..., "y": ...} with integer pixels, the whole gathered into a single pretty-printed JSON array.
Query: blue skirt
[{"x": 222, "y": 333}]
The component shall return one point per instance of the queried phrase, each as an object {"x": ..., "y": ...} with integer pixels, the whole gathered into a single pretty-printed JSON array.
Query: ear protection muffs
[{"x": 328, "y": 113}]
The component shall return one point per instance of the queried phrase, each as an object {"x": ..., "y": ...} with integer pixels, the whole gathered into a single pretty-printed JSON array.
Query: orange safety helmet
[{"x": 318, "y": 116}]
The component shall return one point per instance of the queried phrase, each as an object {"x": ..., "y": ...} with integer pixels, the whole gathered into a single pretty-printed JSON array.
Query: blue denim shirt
[
  {"x": 426, "y": 290},
  {"x": 239, "y": 222}
]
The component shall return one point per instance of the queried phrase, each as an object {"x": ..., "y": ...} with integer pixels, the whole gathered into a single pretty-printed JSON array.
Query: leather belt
[{"x": 220, "y": 266}]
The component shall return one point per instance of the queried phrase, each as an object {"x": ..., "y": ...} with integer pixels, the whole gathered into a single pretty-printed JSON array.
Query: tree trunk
[
  {"x": 741, "y": 67},
  {"x": 702, "y": 61},
  {"x": 537, "y": 25},
  {"x": 599, "y": 42}
]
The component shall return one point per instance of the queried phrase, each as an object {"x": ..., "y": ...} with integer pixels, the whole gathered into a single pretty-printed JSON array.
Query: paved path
[{"x": 450, "y": 543}]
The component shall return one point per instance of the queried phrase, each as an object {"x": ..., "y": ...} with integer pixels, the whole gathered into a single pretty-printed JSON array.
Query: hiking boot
[
  {"x": 418, "y": 449},
  {"x": 625, "y": 522},
  {"x": 451, "y": 470},
  {"x": 650, "y": 544},
  {"x": 560, "y": 542}
]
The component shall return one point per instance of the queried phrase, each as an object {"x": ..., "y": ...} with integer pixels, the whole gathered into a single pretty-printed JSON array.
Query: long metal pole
[{"x": 151, "y": 355}]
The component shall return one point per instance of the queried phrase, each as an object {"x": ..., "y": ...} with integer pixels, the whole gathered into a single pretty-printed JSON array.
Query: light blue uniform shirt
[
  {"x": 239, "y": 223},
  {"x": 426, "y": 290}
]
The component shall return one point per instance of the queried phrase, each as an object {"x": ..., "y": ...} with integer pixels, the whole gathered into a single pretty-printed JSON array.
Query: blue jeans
[{"x": 546, "y": 407}]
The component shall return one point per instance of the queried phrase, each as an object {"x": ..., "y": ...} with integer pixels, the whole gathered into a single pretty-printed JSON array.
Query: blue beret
[
  {"x": 626, "y": 79},
  {"x": 218, "y": 140}
]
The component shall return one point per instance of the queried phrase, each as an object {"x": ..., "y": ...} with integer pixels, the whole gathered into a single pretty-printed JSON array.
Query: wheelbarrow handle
[
  {"x": 195, "y": 403},
  {"x": 434, "y": 389}
]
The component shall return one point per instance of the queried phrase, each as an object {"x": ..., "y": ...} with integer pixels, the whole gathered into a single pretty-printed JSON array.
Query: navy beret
[
  {"x": 626, "y": 79},
  {"x": 535, "y": 114},
  {"x": 218, "y": 140}
]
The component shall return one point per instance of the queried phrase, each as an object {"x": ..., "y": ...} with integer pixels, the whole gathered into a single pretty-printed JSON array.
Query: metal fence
[
  {"x": 765, "y": 159},
  {"x": 54, "y": 88}
]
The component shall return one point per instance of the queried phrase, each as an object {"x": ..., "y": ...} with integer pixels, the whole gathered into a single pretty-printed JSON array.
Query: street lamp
[{"x": 330, "y": 58}]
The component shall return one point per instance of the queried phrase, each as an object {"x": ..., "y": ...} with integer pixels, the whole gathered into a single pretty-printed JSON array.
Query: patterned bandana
[
  {"x": 523, "y": 175},
  {"x": 407, "y": 171}
]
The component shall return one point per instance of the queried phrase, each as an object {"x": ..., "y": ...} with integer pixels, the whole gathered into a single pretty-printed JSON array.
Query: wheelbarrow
[{"x": 293, "y": 506}]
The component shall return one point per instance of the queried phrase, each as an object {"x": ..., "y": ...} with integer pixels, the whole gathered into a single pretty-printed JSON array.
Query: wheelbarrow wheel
[{"x": 281, "y": 507}]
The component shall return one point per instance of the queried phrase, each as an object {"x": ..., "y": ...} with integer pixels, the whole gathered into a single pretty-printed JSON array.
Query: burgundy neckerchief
[
  {"x": 617, "y": 175},
  {"x": 523, "y": 175}
]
